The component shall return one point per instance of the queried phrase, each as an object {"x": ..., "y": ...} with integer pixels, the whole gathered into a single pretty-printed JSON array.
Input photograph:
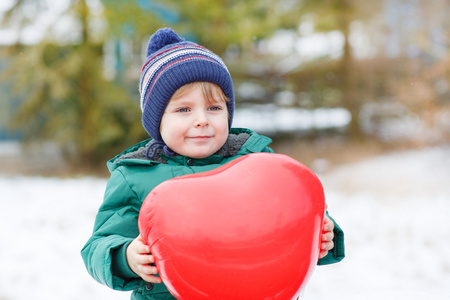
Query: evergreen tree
[{"x": 65, "y": 96}]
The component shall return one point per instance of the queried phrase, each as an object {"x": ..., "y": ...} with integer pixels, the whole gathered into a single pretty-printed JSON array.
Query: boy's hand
[
  {"x": 327, "y": 237},
  {"x": 139, "y": 259}
]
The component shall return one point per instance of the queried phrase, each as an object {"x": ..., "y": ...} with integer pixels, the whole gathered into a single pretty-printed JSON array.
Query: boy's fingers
[
  {"x": 152, "y": 279},
  {"x": 328, "y": 236},
  {"x": 145, "y": 259},
  {"x": 323, "y": 253},
  {"x": 139, "y": 247},
  {"x": 142, "y": 248},
  {"x": 150, "y": 259},
  {"x": 327, "y": 246},
  {"x": 145, "y": 249},
  {"x": 328, "y": 226},
  {"x": 148, "y": 270}
]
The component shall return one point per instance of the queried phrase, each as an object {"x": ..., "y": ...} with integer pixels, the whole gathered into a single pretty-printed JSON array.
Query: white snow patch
[{"x": 393, "y": 210}]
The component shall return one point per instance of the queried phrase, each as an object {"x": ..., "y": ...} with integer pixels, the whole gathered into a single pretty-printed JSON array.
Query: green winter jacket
[{"x": 133, "y": 176}]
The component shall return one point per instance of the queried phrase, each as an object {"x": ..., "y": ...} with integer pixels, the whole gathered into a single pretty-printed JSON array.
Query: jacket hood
[{"x": 240, "y": 141}]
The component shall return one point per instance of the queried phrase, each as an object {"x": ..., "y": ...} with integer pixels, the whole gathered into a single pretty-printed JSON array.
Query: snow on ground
[
  {"x": 393, "y": 209},
  {"x": 394, "y": 212}
]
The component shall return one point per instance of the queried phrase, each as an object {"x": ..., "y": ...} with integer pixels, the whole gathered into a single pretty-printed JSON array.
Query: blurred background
[
  {"x": 335, "y": 78},
  {"x": 359, "y": 91}
]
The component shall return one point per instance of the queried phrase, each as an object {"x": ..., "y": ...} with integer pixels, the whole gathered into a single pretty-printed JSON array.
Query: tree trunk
[{"x": 351, "y": 102}]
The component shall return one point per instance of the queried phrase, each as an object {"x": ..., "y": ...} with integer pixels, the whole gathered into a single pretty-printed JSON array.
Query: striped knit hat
[{"x": 171, "y": 63}]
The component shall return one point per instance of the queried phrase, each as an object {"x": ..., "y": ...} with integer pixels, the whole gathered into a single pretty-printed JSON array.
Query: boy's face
[{"x": 193, "y": 126}]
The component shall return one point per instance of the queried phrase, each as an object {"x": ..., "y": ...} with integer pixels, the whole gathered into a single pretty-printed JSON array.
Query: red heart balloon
[{"x": 249, "y": 229}]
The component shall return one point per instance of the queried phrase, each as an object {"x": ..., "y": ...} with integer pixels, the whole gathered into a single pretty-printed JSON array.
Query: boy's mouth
[{"x": 200, "y": 137}]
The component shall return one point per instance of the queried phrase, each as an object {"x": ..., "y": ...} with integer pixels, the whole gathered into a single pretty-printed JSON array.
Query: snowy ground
[{"x": 392, "y": 208}]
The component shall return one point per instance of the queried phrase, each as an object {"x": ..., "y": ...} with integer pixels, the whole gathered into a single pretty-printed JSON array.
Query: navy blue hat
[{"x": 171, "y": 63}]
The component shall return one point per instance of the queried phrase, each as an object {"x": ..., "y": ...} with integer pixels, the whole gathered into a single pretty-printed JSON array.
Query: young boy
[{"x": 187, "y": 101}]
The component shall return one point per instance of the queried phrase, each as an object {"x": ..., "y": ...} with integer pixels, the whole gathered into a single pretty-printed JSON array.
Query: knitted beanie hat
[{"x": 171, "y": 63}]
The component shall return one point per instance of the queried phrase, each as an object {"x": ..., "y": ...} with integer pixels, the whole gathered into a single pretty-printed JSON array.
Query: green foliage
[
  {"x": 218, "y": 24},
  {"x": 65, "y": 96},
  {"x": 126, "y": 19},
  {"x": 66, "y": 99},
  {"x": 331, "y": 15}
]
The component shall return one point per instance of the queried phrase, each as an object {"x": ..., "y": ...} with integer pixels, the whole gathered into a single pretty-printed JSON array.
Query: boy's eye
[
  {"x": 214, "y": 108},
  {"x": 183, "y": 109}
]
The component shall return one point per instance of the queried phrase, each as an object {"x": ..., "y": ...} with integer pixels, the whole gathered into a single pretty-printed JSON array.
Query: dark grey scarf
[{"x": 230, "y": 148}]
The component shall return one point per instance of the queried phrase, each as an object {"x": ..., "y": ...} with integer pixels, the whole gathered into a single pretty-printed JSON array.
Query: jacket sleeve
[
  {"x": 114, "y": 228},
  {"x": 338, "y": 252}
]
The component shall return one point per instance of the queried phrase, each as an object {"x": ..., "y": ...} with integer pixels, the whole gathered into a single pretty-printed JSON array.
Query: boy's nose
[
  {"x": 201, "y": 120},
  {"x": 200, "y": 123}
]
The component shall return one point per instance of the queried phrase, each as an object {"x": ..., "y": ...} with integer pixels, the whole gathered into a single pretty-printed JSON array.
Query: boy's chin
[{"x": 200, "y": 153}]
